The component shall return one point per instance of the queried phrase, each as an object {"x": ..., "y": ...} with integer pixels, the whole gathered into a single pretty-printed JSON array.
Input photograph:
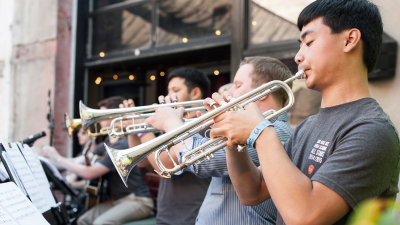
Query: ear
[
  {"x": 195, "y": 94},
  {"x": 265, "y": 97},
  {"x": 353, "y": 37}
]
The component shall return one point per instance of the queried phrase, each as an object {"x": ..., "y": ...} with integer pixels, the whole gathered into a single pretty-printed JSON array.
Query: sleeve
[
  {"x": 216, "y": 167},
  {"x": 106, "y": 161},
  {"x": 364, "y": 163},
  {"x": 99, "y": 149}
]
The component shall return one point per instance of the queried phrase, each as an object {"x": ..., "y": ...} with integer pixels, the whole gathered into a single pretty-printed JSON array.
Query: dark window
[
  {"x": 121, "y": 30},
  {"x": 184, "y": 20},
  {"x": 266, "y": 25}
]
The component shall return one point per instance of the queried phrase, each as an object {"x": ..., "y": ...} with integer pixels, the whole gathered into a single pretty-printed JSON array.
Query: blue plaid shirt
[{"x": 221, "y": 204}]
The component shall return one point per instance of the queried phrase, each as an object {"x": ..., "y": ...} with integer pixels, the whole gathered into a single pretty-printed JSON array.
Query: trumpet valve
[
  {"x": 163, "y": 174},
  {"x": 212, "y": 155},
  {"x": 241, "y": 148}
]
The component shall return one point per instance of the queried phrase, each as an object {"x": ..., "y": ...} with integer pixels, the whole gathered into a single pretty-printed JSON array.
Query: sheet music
[
  {"x": 27, "y": 178},
  {"x": 18, "y": 206},
  {"x": 52, "y": 167},
  {"x": 5, "y": 218},
  {"x": 38, "y": 172},
  {"x": 13, "y": 172}
]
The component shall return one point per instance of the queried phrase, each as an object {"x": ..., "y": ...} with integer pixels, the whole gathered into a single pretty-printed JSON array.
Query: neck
[
  {"x": 348, "y": 87},
  {"x": 267, "y": 105}
]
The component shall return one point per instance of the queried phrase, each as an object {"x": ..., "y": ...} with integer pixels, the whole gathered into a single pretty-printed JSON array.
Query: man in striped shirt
[{"x": 221, "y": 204}]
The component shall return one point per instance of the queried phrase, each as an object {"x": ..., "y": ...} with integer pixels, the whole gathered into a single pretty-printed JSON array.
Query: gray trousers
[{"x": 118, "y": 212}]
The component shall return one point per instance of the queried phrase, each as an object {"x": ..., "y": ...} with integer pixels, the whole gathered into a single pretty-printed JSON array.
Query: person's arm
[
  {"x": 73, "y": 181},
  {"x": 87, "y": 172},
  {"x": 298, "y": 199}
]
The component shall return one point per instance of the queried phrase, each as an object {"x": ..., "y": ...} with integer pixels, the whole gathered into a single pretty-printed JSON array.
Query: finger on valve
[
  {"x": 167, "y": 99},
  {"x": 161, "y": 99},
  {"x": 131, "y": 103},
  {"x": 174, "y": 97},
  {"x": 218, "y": 99},
  {"x": 210, "y": 104},
  {"x": 227, "y": 96}
]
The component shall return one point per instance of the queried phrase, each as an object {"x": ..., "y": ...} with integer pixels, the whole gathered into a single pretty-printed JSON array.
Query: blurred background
[{"x": 92, "y": 49}]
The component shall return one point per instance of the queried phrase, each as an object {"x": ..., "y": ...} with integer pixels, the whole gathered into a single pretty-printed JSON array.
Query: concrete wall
[
  {"x": 34, "y": 53},
  {"x": 35, "y": 44},
  {"x": 387, "y": 92},
  {"x": 6, "y": 20}
]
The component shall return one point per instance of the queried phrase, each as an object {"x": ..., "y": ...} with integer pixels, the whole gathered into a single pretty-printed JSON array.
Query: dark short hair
[
  {"x": 111, "y": 102},
  {"x": 342, "y": 15},
  {"x": 266, "y": 69},
  {"x": 193, "y": 78}
]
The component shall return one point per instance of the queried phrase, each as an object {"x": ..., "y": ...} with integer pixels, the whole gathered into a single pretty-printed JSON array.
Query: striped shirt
[{"x": 221, "y": 204}]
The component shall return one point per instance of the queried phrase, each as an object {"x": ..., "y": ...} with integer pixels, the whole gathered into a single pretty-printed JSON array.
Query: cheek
[{"x": 182, "y": 96}]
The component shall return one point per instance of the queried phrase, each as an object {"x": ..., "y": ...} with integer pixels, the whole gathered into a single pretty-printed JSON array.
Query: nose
[{"x": 299, "y": 58}]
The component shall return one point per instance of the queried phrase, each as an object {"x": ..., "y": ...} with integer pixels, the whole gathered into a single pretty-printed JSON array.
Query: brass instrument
[
  {"x": 73, "y": 124},
  {"x": 92, "y": 116},
  {"x": 125, "y": 160}
]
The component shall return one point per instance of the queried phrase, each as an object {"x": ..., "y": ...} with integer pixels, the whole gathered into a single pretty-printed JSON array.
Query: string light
[
  {"x": 102, "y": 54},
  {"x": 218, "y": 32},
  {"x": 216, "y": 72},
  {"x": 152, "y": 77},
  {"x": 254, "y": 23},
  {"x": 184, "y": 40},
  {"x": 98, "y": 80},
  {"x": 131, "y": 77},
  {"x": 162, "y": 74},
  {"x": 115, "y": 77}
]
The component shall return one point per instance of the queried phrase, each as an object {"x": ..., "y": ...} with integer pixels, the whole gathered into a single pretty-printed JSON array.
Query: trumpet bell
[
  {"x": 87, "y": 118},
  {"x": 124, "y": 162},
  {"x": 71, "y": 124}
]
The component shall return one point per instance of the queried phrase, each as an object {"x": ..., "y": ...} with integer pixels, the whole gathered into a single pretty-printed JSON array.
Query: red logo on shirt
[{"x": 310, "y": 169}]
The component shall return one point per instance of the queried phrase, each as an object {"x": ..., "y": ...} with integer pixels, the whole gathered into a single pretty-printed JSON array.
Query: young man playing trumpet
[
  {"x": 346, "y": 153},
  {"x": 221, "y": 205},
  {"x": 179, "y": 197}
]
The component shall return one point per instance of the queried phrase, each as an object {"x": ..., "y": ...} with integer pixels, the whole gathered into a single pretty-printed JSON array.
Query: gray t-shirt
[
  {"x": 180, "y": 197},
  {"x": 135, "y": 181},
  {"x": 351, "y": 148}
]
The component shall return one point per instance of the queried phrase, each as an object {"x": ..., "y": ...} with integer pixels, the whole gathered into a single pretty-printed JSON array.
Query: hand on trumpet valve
[
  {"x": 166, "y": 118},
  {"x": 168, "y": 99},
  {"x": 236, "y": 126},
  {"x": 127, "y": 104}
]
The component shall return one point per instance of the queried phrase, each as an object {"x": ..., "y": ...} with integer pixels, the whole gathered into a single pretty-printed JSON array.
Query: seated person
[
  {"x": 73, "y": 179},
  {"x": 126, "y": 204}
]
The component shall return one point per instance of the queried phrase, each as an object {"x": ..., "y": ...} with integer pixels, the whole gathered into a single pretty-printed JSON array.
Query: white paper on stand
[
  {"x": 27, "y": 178},
  {"x": 14, "y": 173},
  {"x": 18, "y": 207},
  {"x": 52, "y": 167},
  {"x": 38, "y": 172}
]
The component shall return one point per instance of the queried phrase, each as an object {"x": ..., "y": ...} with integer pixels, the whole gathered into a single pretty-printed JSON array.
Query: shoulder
[{"x": 302, "y": 127}]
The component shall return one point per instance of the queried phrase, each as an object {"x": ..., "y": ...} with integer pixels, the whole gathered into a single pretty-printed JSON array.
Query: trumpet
[
  {"x": 91, "y": 116},
  {"x": 125, "y": 160},
  {"x": 136, "y": 128},
  {"x": 73, "y": 124}
]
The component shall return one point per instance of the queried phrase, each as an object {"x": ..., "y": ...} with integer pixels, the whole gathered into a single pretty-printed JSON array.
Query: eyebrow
[{"x": 303, "y": 35}]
